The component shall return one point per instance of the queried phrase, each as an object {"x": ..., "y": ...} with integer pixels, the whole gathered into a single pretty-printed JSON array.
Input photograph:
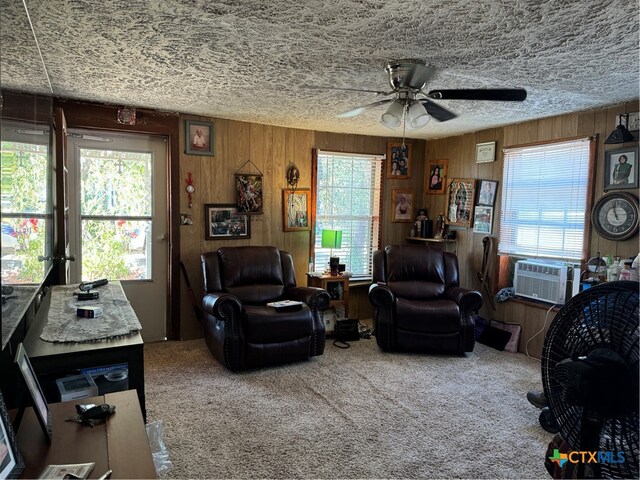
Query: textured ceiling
[{"x": 256, "y": 60}]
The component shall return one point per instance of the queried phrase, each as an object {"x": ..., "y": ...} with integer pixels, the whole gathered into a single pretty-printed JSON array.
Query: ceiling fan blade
[
  {"x": 360, "y": 110},
  {"x": 377, "y": 92},
  {"x": 436, "y": 111},
  {"x": 498, "y": 94}
]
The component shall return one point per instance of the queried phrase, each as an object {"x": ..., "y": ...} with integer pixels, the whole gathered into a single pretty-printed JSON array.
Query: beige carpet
[{"x": 355, "y": 413}]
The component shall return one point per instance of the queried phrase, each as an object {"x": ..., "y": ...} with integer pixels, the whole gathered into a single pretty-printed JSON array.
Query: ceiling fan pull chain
[{"x": 404, "y": 123}]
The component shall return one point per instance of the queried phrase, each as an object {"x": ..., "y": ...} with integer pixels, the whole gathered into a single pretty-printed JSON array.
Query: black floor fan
[{"x": 590, "y": 377}]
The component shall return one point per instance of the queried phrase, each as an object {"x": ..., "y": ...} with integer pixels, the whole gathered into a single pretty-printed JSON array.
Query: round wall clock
[{"x": 615, "y": 216}]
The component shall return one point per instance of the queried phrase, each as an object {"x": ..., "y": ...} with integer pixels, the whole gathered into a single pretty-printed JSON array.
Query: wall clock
[{"x": 615, "y": 216}]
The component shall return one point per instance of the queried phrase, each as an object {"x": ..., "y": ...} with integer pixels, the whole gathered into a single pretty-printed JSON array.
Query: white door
[{"x": 119, "y": 218}]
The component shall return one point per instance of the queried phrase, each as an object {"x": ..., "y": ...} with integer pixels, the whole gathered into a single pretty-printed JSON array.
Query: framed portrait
[
  {"x": 621, "y": 168},
  {"x": 483, "y": 219},
  {"x": 296, "y": 210},
  {"x": 11, "y": 463},
  {"x": 249, "y": 193},
  {"x": 487, "y": 192},
  {"x": 198, "y": 138},
  {"x": 460, "y": 204},
  {"x": 224, "y": 221},
  {"x": 435, "y": 178},
  {"x": 402, "y": 206},
  {"x": 30, "y": 381},
  {"x": 398, "y": 160},
  {"x": 485, "y": 152}
]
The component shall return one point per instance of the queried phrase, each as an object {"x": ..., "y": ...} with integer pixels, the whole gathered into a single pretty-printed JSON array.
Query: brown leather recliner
[
  {"x": 241, "y": 331},
  {"x": 418, "y": 303}
]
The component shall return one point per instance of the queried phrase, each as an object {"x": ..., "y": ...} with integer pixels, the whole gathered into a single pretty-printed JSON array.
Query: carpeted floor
[{"x": 354, "y": 413}]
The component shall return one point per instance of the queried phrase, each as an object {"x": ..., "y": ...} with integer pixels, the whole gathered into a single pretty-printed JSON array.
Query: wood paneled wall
[
  {"x": 460, "y": 151},
  {"x": 272, "y": 150}
]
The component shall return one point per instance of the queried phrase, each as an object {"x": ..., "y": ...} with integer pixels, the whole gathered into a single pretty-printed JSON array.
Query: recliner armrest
[
  {"x": 315, "y": 298},
  {"x": 380, "y": 295},
  {"x": 466, "y": 298},
  {"x": 221, "y": 305}
]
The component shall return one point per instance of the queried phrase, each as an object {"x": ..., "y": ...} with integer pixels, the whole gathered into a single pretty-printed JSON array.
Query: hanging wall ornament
[
  {"x": 190, "y": 188},
  {"x": 249, "y": 190},
  {"x": 293, "y": 176}
]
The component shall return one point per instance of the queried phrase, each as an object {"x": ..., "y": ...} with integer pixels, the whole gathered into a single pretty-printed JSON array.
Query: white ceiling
[{"x": 255, "y": 60}]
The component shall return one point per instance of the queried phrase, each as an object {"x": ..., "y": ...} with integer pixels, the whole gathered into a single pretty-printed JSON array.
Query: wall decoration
[
  {"x": 485, "y": 152},
  {"x": 185, "y": 219},
  {"x": 460, "y": 205},
  {"x": 11, "y": 464},
  {"x": 487, "y": 192},
  {"x": 435, "y": 178},
  {"x": 402, "y": 206},
  {"x": 199, "y": 138},
  {"x": 398, "y": 160},
  {"x": 191, "y": 188},
  {"x": 483, "y": 220},
  {"x": 249, "y": 193},
  {"x": 621, "y": 168},
  {"x": 224, "y": 221},
  {"x": 629, "y": 120},
  {"x": 126, "y": 116},
  {"x": 293, "y": 176},
  {"x": 296, "y": 210}
]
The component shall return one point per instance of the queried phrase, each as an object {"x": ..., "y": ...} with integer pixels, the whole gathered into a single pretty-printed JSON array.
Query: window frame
[
  {"x": 506, "y": 261},
  {"x": 314, "y": 199}
]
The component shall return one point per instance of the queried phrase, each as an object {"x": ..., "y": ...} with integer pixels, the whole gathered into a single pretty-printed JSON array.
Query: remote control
[{"x": 86, "y": 286}]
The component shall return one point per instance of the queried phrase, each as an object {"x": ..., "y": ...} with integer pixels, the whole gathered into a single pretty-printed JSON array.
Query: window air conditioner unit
[{"x": 540, "y": 280}]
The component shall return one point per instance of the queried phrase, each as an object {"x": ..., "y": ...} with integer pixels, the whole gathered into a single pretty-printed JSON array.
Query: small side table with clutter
[{"x": 338, "y": 288}]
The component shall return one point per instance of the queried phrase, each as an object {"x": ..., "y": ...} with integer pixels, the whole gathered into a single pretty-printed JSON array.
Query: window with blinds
[
  {"x": 349, "y": 199},
  {"x": 544, "y": 200}
]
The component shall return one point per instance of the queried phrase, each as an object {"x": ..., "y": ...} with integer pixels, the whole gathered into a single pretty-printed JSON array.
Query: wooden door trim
[{"x": 104, "y": 117}]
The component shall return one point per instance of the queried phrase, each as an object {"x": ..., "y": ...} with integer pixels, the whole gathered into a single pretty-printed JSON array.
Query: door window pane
[
  {"x": 116, "y": 249},
  {"x": 115, "y": 183}
]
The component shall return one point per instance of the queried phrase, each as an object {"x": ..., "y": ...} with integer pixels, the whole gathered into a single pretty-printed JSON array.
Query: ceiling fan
[{"x": 415, "y": 105}]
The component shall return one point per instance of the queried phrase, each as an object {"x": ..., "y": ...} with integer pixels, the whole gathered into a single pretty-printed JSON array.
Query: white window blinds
[
  {"x": 544, "y": 199},
  {"x": 348, "y": 198}
]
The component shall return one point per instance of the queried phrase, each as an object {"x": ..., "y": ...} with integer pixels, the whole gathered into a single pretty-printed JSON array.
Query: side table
[{"x": 119, "y": 444}]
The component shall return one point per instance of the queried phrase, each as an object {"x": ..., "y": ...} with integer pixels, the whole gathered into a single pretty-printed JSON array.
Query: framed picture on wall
[
  {"x": 487, "y": 192},
  {"x": 621, "y": 168},
  {"x": 398, "y": 160},
  {"x": 198, "y": 138},
  {"x": 249, "y": 193},
  {"x": 460, "y": 204},
  {"x": 223, "y": 221},
  {"x": 402, "y": 206},
  {"x": 296, "y": 210},
  {"x": 483, "y": 219},
  {"x": 435, "y": 178},
  {"x": 485, "y": 152}
]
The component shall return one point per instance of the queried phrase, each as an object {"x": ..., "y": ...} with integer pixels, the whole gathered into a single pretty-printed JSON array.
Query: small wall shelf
[{"x": 446, "y": 244}]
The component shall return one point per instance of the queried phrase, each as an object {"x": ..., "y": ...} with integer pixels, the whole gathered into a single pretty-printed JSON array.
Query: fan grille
[{"x": 604, "y": 316}]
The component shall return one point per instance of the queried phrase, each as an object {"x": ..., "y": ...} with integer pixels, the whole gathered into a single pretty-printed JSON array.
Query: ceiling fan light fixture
[
  {"x": 417, "y": 116},
  {"x": 392, "y": 118}
]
